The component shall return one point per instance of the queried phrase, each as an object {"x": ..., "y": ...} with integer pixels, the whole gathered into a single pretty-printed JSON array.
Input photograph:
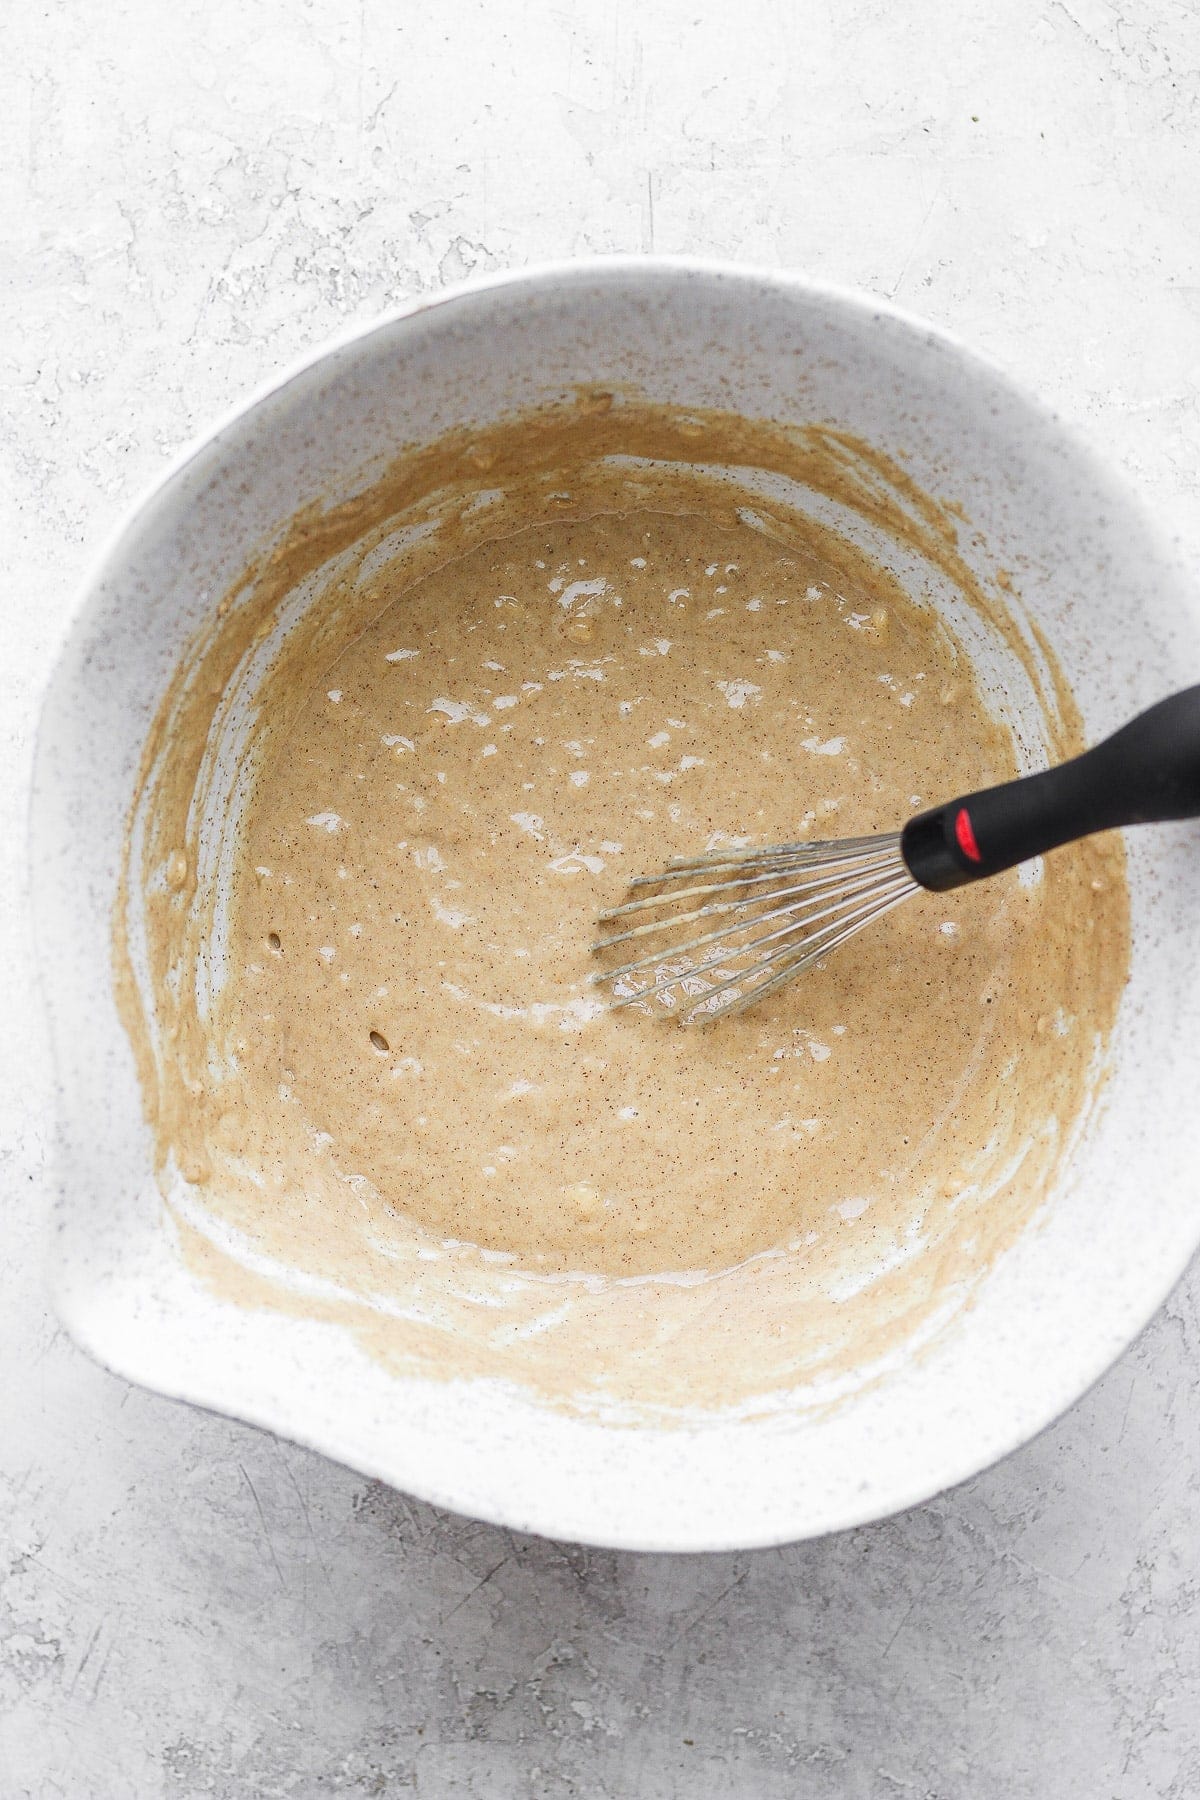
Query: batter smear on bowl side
[{"x": 368, "y": 1040}]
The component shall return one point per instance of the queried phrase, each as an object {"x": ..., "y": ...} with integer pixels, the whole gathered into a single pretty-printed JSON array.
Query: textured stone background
[{"x": 192, "y": 191}]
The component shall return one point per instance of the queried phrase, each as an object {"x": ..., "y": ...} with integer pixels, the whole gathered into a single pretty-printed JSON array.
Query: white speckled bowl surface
[{"x": 1052, "y": 1313}]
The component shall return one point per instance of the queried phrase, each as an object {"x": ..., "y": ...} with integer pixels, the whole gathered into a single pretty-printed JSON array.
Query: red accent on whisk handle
[{"x": 1147, "y": 771}]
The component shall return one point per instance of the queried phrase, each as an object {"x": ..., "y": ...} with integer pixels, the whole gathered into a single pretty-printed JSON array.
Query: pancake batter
[{"x": 407, "y": 1048}]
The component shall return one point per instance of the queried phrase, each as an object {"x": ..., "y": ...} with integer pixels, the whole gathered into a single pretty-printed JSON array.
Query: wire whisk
[
  {"x": 766, "y": 915},
  {"x": 781, "y": 909}
]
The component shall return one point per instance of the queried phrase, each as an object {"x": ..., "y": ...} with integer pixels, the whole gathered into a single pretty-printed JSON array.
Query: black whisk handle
[{"x": 1149, "y": 770}]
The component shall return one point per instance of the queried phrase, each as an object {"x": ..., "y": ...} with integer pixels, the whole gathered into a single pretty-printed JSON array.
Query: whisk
[{"x": 785, "y": 907}]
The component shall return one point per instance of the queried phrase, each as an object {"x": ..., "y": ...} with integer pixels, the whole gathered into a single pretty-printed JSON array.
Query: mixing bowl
[{"x": 1091, "y": 574}]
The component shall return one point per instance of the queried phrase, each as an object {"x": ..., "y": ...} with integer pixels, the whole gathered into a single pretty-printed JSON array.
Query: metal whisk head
[{"x": 780, "y": 910}]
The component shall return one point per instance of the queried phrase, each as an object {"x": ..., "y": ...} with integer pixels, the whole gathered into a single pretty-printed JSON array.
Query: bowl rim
[{"x": 554, "y": 270}]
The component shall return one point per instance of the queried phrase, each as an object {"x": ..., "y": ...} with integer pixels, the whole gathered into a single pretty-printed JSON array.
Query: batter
[{"x": 406, "y": 1050}]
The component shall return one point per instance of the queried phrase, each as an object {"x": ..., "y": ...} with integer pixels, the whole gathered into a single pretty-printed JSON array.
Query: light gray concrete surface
[{"x": 191, "y": 191}]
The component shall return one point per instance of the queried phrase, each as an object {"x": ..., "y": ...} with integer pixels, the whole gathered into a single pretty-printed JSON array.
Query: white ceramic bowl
[{"x": 1055, "y": 1310}]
